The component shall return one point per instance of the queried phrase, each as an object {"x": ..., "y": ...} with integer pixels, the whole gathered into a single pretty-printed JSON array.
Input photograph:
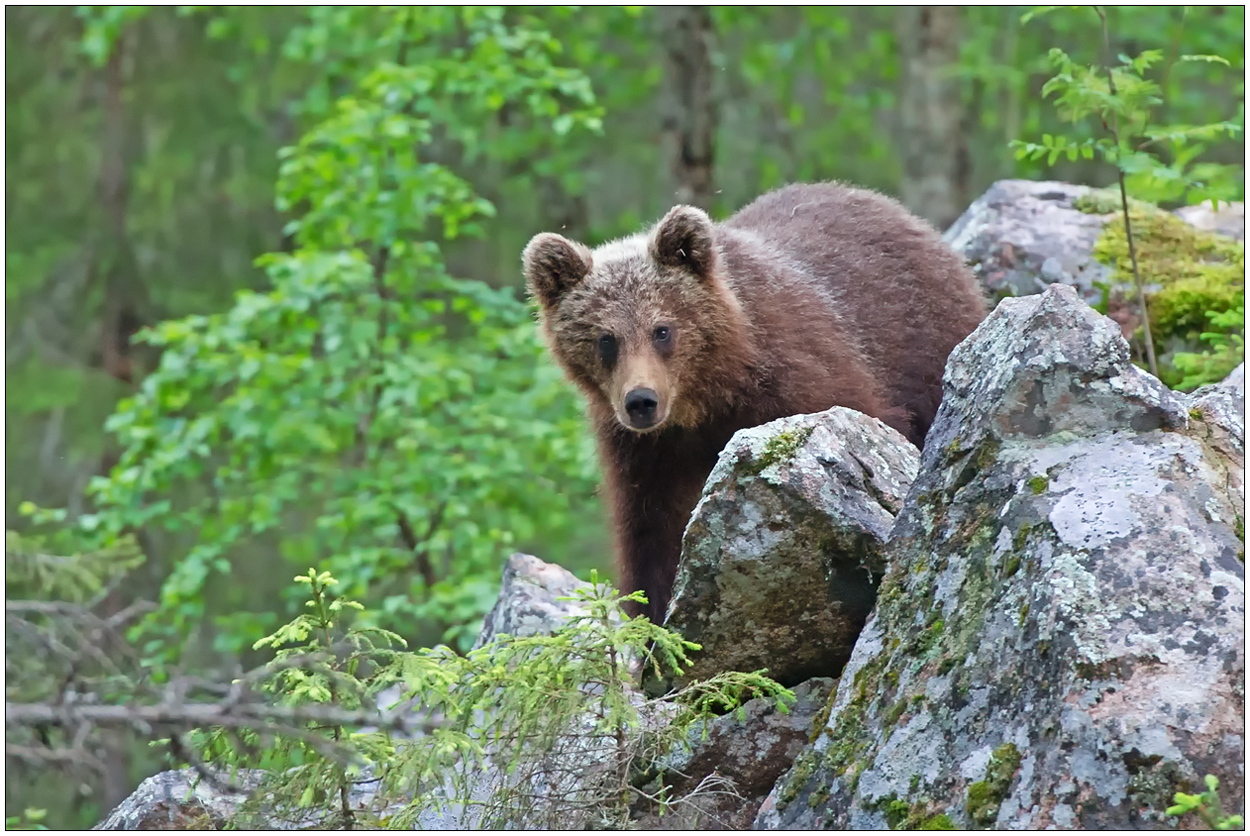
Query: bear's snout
[{"x": 642, "y": 406}]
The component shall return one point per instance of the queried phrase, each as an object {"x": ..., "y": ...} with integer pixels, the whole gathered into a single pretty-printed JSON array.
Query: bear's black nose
[{"x": 641, "y": 405}]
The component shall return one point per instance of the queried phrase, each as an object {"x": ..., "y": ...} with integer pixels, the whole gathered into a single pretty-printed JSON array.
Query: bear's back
[{"x": 907, "y": 297}]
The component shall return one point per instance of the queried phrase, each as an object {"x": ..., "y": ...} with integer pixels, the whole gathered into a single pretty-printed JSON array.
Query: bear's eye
[
  {"x": 662, "y": 335},
  {"x": 607, "y": 349}
]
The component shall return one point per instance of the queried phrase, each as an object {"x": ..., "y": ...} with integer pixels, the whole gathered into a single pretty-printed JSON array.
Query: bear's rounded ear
[
  {"x": 685, "y": 238},
  {"x": 553, "y": 266}
]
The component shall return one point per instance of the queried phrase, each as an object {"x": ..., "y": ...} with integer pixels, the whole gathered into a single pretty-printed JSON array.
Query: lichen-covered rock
[
  {"x": 1221, "y": 411},
  {"x": 176, "y": 800},
  {"x": 1021, "y": 236},
  {"x": 782, "y": 554},
  {"x": 182, "y": 799},
  {"x": 1059, "y": 641},
  {"x": 528, "y": 603},
  {"x": 750, "y": 749}
]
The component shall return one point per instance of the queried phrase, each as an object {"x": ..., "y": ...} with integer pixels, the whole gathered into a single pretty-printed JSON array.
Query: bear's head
[{"x": 641, "y": 324}]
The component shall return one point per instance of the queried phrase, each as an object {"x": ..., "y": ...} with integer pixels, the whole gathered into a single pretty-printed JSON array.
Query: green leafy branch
[
  {"x": 1121, "y": 99},
  {"x": 371, "y": 412}
]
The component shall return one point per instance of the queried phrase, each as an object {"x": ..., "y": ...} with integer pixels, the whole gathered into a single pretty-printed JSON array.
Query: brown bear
[{"x": 813, "y": 296}]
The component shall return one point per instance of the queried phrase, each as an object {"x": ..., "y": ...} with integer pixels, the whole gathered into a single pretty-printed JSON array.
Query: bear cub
[{"x": 813, "y": 296}]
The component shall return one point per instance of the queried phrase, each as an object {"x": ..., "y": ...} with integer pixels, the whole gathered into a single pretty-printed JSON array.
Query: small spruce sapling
[
  {"x": 530, "y": 731},
  {"x": 319, "y": 660}
]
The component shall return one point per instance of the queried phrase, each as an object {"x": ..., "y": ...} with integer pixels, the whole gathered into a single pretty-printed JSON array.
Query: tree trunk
[
  {"x": 118, "y": 319},
  {"x": 934, "y": 148},
  {"x": 688, "y": 112},
  {"x": 118, "y": 322}
]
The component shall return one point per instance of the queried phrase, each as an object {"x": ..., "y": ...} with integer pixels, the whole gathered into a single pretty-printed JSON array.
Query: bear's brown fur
[{"x": 813, "y": 296}]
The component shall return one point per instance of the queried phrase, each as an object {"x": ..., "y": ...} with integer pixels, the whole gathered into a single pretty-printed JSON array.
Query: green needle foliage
[
  {"x": 1207, "y": 806},
  {"x": 1228, "y": 349},
  {"x": 537, "y": 731},
  {"x": 319, "y": 660}
]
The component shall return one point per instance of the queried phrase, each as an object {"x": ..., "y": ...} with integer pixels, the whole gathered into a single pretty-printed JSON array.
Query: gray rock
[
  {"x": 528, "y": 603},
  {"x": 748, "y": 749},
  {"x": 182, "y": 799},
  {"x": 1229, "y": 219},
  {"x": 1059, "y": 641},
  {"x": 1222, "y": 409},
  {"x": 175, "y": 800},
  {"x": 1021, "y": 236},
  {"x": 782, "y": 554}
]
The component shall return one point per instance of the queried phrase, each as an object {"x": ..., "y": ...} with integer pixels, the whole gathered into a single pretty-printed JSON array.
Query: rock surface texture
[
  {"x": 751, "y": 750},
  {"x": 528, "y": 603},
  {"x": 1023, "y": 235},
  {"x": 782, "y": 555},
  {"x": 174, "y": 800},
  {"x": 1060, "y": 639},
  {"x": 1229, "y": 219}
]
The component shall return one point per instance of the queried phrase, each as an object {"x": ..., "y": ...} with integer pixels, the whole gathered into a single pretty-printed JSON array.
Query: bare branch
[{"x": 256, "y": 716}]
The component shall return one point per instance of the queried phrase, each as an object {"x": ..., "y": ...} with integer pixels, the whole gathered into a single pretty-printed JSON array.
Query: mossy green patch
[
  {"x": 988, "y": 454},
  {"x": 849, "y": 737},
  {"x": 985, "y": 796},
  {"x": 1106, "y": 201},
  {"x": 1195, "y": 272},
  {"x": 939, "y": 822},
  {"x": 1012, "y": 566},
  {"x": 821, "y": 719},
  {"x": 781, "y": 447},
  {"x": 982, "y": 803},
  {"x": 1039, "y": 484},
  {"x": 804, "y": 767},
  {"x": 1022, "y": 536},
  {"x": 893, "y": 713},
  {"x": 1153, "y": 781},
  {"x": 896, "y": 812},
  {"x": 928, "y": 639},
  {"x": 902, "y": 815}
]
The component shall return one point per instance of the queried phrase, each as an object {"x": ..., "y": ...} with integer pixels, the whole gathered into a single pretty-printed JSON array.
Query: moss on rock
[
  {"x": 781, "y": 447},
  {"x": 985, "y": 796},
  {"x": 939, "y": 822},
  {"x": 1193, "y": 272},
  {"x": 904, "y": 815}
]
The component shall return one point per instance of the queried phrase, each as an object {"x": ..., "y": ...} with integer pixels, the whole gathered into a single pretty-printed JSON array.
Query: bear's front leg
[{"x": 651, "y": 507}]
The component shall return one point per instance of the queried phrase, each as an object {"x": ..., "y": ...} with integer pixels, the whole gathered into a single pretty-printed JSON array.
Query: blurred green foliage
[{"x": 370, "y": 412}]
